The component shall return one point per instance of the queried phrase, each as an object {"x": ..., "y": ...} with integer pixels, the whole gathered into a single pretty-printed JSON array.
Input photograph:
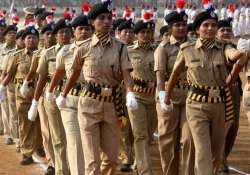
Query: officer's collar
[
  {"x": 137, "y": 45},
  {"x": 198, "y": 44},
  {"x": 8, "y": 47},
  {"x": 76, "y": 44},
  {"x": 174, "y": 41},
  {"x": 95, "y": 40}
]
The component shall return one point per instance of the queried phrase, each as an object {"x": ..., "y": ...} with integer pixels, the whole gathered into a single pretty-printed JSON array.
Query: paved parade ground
[{"x": 239, "y": 159}]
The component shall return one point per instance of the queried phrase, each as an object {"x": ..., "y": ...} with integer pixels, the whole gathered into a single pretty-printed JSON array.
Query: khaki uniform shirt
[
  {"x": 165, "y": 56},
  {"x": 143, "y": 65},
  {"x": 100, "y": 64},
  {"x": 11, "y": 86},
  {"x": 142, "y": 62},
  {"x": 204, "y": 67},
  {"x": 8, "y": 58},
  {"x": 19, "y": 64},
  {"x": 47, "y": 61},
  {"x": 65, "y": 58},
  {"x": 4, "y": 55}
]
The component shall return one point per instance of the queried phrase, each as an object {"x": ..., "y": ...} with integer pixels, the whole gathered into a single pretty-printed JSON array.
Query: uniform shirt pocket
[
  {"x": 221, "y": 69},
  {"x": 195, "y": 69}
]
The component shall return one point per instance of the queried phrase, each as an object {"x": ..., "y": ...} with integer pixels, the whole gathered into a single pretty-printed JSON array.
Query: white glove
[
  {"x": 49, "y": 96},
  {"x": 61, "y": 101},
  {"x": 243, "y": 44},
  {"x": 32, "y": 114},
  {"x": 162, "y": 95},
  {"x": 2, "y": 92},
  {"x": 131, "y": 101},
  {"x": 24, "y": 88},
  {"x": 164, "y": 106}
]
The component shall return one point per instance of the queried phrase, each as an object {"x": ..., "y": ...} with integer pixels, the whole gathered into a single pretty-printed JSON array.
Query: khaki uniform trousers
[
  {"x": 127, "y": 140},
  {"x": 141, "y": 122},
  {"x": 27, "y": 129},
  {"x": 13, "y": 119},
  {"x": 233, "y": 130},
  {"x": 99, "y": 129},
  {"x": 5, "y": 116},
  {"x": 58, "y": 137},
  {"x": 175, "y": 139},
  {"x": 73, "y": 135},
  {"x": 47, "y": 141},
  {"x": 207, "y": 125}
]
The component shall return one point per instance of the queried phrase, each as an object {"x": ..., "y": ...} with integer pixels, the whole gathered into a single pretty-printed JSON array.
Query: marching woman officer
[
  {"x": 209, "y": 103},
  {"x": 65, "y": 58},
  {"x": 142, "y": 119},
  {"x": 18, "y": 67},
  {"x": 104, "y": 61}
]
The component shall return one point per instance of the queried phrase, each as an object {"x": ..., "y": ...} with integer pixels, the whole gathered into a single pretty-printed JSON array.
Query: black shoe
[
  {"x": 9, "y": 141},
  {"x": 27, "y": 160},
  {"x": 40, "y": 152},
  {"x": 126, "y": 168},
  {"x": 50, "y": 171},
  {"x": 224, "y": 167}
]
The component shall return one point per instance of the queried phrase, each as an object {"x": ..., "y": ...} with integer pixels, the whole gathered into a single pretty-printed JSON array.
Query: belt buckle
[
  {"x": 106, "y": 92},
  {"x": 215, "y": 93}
]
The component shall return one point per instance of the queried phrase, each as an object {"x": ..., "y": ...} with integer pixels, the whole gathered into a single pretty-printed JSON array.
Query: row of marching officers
[{"x": 187, "y": 85}]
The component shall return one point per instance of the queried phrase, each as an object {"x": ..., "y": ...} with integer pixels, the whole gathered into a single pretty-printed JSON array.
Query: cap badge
[
  {"x": 67, "y": 22},
  {"x": 212, "y": 14},
  {"x": 33, "y": 31},
  {"x": 109, "y": 7}
]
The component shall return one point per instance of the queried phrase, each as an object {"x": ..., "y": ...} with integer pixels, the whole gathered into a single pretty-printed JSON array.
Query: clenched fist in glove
[
  {"x": 164, "y": 106},
  {"x": 131, "y": 101},
  {"x": 2, "y": 92},
  {"x": 49, "y": 96},
  {"x": 32, "y": 114},
  {"x": 24, "y": 88},
  {"x": 61, "y": 101}
]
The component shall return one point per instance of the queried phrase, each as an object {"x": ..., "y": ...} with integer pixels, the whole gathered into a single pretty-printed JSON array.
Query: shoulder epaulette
[
  {"x": 50, "y": 51},
  {"x": 86, "y": 41},
  {"x": 37, "y": 51},
  {"x": 11, "y": 51},
  {"x": 17, "y": 52},
  {"x": 187, "y": 44},
  {"x": 164, "y": 43},
  {"x": 51, "y": 48},
  {"x": 228, "y": 43}
]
